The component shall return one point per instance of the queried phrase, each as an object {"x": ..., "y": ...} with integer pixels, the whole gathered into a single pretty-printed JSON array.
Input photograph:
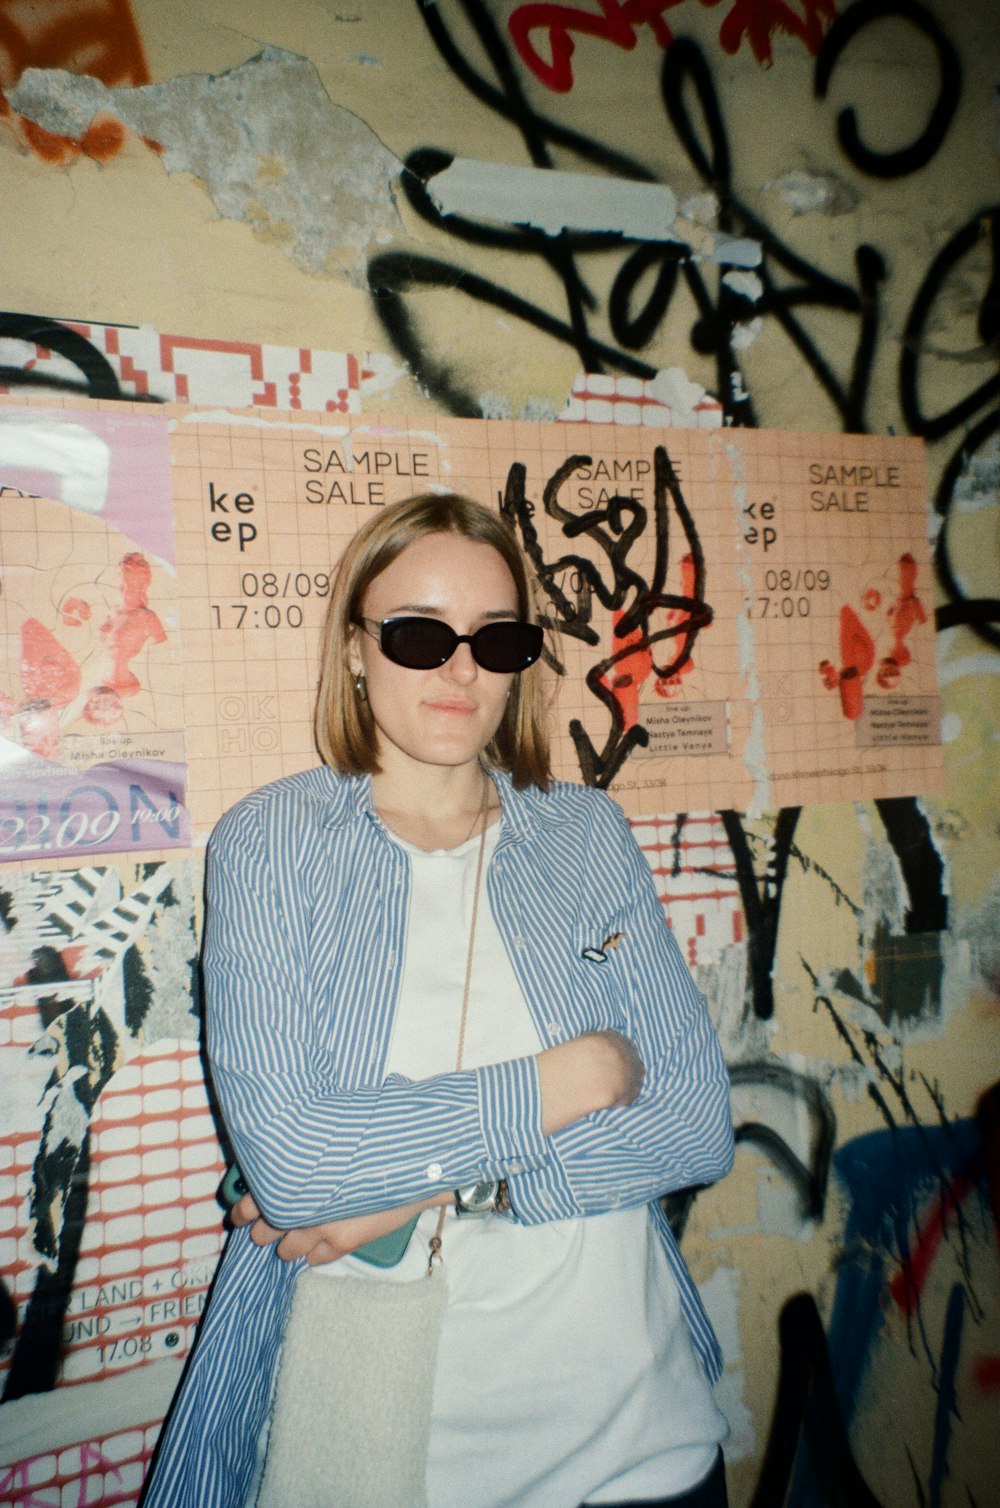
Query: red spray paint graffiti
[
  {"x": 760, "y": 20},
  {"x": 618, "y": 20},
  {"x": 95, "y": 37},
  {"x": 911, "y": 1279}
]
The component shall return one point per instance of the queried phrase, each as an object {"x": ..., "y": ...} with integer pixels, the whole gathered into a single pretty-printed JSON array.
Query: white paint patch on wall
[
  {"x": 807, "y": 193},
  {"x": 270, "y": 145},
  {"x": 86, "y": 1411},
  {"x": 747, "y": 284},
  {"x": 957, "y": 670},
  {"x": 79, "y": 460},
  {"x": 721, "y": 1297},
  {"x": 978, "y": 486},
  {"x": 882, "y": 888},
  {"x": 553, "y": 201},
  {"x": 670, "y": 399}
]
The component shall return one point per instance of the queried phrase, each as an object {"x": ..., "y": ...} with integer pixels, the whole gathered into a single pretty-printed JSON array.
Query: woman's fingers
[
  {"x": 320, "y": 1254},
  {"x": 262, "y": 1234},
  {"x": 244, "y": 1211},
  {"x": 311, "y": 1243}
]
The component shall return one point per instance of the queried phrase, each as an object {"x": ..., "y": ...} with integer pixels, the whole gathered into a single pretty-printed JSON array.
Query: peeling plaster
[
  {"x": 270, "y": 145},
  {"x": 494, "y": 405},
  {"x": 982, "y": 935},
  {"x": 748, "y": 286},
  {"x": 978, "y": 485},
  {"x": 882, "y": 890},
  {"x": 814, "y": 193}
]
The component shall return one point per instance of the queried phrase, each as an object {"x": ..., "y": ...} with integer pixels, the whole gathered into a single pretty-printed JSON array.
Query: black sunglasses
[{"x": 426, "y": 643}]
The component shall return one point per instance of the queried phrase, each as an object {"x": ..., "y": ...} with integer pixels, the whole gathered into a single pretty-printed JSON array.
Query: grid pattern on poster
[
  {"x": 792, "y": 639},
  {"x": 153, "y": 1229},
  {"x": 106, "y": 1471}
]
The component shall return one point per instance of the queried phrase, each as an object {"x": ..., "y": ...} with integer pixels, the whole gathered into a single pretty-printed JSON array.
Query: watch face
[{"x": 477, "y": 1198}]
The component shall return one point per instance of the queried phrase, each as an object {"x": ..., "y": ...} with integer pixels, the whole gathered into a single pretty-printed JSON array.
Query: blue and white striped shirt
[{"x": 305, "y": 931}]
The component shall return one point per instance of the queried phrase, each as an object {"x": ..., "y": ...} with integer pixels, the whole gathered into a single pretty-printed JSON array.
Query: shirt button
[{"x": 434, "y": 1172}]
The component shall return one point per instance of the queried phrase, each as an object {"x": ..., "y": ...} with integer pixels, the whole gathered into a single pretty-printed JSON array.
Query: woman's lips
[{"x": 460, "y": 709}]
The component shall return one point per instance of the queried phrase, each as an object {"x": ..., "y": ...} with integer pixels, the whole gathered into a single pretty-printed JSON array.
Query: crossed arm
[
  {"x": 597, "y": 1071},
  {"x": 605, "y": 1119}
]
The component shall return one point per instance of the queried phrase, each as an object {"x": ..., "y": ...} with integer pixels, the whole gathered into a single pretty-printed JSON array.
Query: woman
[{"x": 350, "y": 968}]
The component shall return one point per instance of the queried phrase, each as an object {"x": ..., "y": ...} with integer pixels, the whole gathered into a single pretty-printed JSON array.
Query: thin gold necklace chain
[
  {"x": 435, "y": 1241},
  {"x": 484, "y": 808}
]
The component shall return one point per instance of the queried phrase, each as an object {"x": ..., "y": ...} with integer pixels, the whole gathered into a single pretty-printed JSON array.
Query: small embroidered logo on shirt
[{"x": 600, "y": 955}]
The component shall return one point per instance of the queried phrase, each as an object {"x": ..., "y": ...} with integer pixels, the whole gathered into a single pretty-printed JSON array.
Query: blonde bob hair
[{"x": 346, "y": 735}]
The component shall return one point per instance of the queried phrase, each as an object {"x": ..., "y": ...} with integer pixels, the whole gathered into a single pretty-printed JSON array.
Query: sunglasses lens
[
  {"x": 426, "y": 643},
  {"x": 507, "y": 647},
  {"x": 417, "y": 643}
]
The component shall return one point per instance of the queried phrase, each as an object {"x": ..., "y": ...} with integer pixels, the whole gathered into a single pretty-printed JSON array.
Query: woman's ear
[{"x": 355, "y": 664}]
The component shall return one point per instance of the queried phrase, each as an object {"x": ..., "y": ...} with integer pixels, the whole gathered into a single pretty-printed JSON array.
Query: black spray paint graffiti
[
  {"x": 982, "y": 615},
  {"x": 807, "y": 1419},
  {"x": 780, "y": 1096},
  {"x": 640, "y": 298},
  {"x": 792, "y": 288},
  {"x": 571, "y": 583},
  {"x": 790, "y": 284}
]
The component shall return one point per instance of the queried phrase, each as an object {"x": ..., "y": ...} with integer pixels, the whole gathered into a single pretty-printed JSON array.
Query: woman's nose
[{"x": 461, "y": 667}]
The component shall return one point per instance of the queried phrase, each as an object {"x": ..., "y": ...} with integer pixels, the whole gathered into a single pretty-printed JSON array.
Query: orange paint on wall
[{"x": 95, "y": 37}]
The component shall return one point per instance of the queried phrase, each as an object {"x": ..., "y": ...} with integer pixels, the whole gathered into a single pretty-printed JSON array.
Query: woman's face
[{"x": 446, "y": 716}]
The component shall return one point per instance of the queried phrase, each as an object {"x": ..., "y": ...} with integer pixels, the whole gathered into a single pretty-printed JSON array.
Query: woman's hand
[
  {"x": 598, "y": 1071},
  {"x": 329, "y": 1242}
]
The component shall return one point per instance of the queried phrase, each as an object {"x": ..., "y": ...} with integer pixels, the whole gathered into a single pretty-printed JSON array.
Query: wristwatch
[{"x": 488, "y": 1198}]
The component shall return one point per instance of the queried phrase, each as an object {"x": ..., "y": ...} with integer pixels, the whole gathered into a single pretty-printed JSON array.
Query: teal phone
[
  {"x": 234, "y": 1186},
  {"x": 384, "y": 1251}
]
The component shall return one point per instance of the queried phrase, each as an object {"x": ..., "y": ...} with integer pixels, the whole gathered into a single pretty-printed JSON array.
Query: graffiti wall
[{"x": 567, "y": 219}]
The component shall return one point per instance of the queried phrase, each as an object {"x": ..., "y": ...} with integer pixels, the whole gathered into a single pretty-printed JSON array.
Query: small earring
[{"x": 360, "y": 689}]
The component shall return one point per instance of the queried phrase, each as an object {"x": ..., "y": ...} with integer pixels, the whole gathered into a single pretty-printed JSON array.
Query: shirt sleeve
[
  {"x": 310, "y": 1148},
  {"x": 678, "y": 1132}
]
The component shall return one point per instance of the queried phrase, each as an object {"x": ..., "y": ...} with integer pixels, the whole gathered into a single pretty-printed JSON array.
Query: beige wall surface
[{"x": 273, "y": 176}]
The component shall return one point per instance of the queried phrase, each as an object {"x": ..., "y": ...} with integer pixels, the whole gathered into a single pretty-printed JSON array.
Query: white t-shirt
[{"x": 566, "y": 1370}]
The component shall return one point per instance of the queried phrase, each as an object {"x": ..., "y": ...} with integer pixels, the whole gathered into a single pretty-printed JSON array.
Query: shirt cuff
[{"x": 510, "y": 1107}]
